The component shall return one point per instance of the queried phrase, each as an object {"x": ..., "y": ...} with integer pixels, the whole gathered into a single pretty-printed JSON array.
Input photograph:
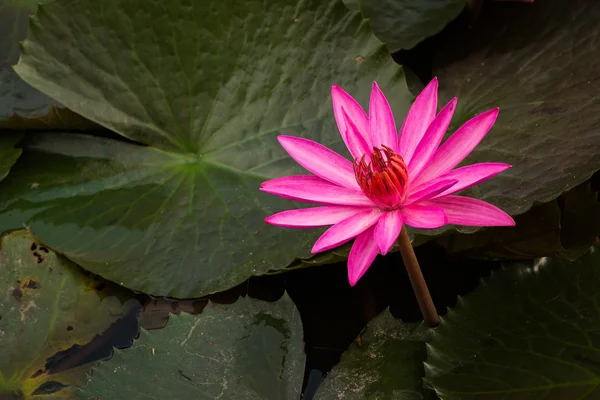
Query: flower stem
[{"x": 430, "y": 315}]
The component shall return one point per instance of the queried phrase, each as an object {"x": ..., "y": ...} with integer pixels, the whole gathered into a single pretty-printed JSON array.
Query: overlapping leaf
[
  {"x": 402, "y": 24},
  {"x": 532, "y": 331},
  {"x": 538, "y": 63},
  {"x": 248, "y": 350},
  {"x": 210, "y": 85},
  {"x": 46, "y": 307},
  {"x": 388, "y": 364}
]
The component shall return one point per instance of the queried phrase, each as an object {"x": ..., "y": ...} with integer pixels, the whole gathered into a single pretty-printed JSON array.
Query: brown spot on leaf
[
  {"x": 17, "y": 294},
  {"x": 37, "y": 373},
  {"x": 30, "y": 283},
  {"x": 49, "y": 387}
]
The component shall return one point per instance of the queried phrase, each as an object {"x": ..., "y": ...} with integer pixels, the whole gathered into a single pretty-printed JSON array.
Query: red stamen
[{"x": 382, "y": 180}]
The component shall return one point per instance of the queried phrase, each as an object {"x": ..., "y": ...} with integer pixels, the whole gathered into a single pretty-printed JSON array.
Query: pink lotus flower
[{"x": 405, "y": 178}]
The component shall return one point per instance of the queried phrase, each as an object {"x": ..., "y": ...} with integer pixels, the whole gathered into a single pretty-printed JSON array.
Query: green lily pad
[
  {"x": 387, "y": 365},
  {"x": 8, "y": 152},
  {"x": 538, "y": 63},
  {"x": 402, "y": 24},
  {"x": 159, "y": 222},
  {"x": 248, "y": 350},
  {"x": 209, "y": 92},
  {"x": 47, "y": 306},
  {"x": 531, "y": 331}
]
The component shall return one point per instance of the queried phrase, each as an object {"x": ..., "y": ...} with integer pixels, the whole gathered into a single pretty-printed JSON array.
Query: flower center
[{"x": 384, "y": 178}]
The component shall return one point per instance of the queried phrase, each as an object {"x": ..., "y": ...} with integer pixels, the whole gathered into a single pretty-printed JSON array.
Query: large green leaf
[
  {"x": 47, "y": 306},
  {"x": 158, "y": 222},
  {"x": 387, "y": 365},
  {"x": 248, "y": 350},
  {"x": 210, "y": 84},
  {"x": 8, "y": 152},
  {"x": 402, "y": 24},
  {"x": 532, "y": 331},
  {"x": 539, "y": 63}
]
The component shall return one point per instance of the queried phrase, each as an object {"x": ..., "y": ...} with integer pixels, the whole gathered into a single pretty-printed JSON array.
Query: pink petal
[
  {"x": 352, "y": 122},
  {"x": 432, "y": 139},
  {"x": 381, "y": 120},
  {"x": 458, "y": 146},
  {"x": 419, "y": 117},
  {"x": 429, "y": 190},
  {"x": 470, "y": 175},
  {"x": 312, "y": 189},
  {"x": 312, "y": 217},
  {"x": 319, "y": 160},
  {"x": 363, "y": 252},
  {"x": 355, "y": 142},
  {"x": 420, "y": 216},
  {"x": 349, "y": 228},
  {"x": 387, "y": 230},
  {"x": 472, "y": 212}
]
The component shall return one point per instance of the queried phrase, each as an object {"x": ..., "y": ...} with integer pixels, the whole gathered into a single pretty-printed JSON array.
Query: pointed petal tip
[
  {"x": 352, "y": 280},
  {"x": 506, "y": 221},
  {"x": 493, "y": 111},
  {"x": 434, "y": 82},
  {"x": 314, "y": 249},
  {"x": 285, "y": 137}
]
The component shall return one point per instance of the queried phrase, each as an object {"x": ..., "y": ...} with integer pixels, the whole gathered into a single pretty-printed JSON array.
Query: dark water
[{"x": 333, "y": 313}]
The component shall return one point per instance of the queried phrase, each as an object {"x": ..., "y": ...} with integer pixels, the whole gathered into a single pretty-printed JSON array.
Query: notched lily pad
[
  {"x": 531, "y": 331},
  {"x": 247, "y": 350},
  {"x": 402, "y": 24},
  {"x": 539, "y": 63},
  {"x": 187, "y": 219},
  {"x": 46, "y": 306},
  {"x": 385, "y": 364}
]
